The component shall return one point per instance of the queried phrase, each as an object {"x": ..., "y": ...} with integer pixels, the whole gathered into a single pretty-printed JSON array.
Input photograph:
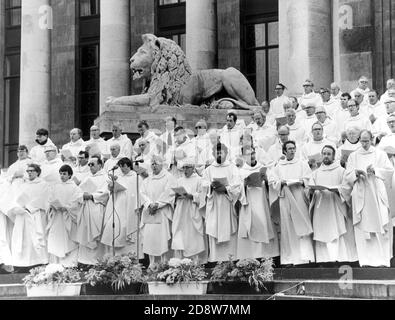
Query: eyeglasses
[
  {"x": 29, "y": 171},
  {"x": 199, "y": 128},
  {"x": 352, "y": 105},
  {"x": 91, "y": 164}
]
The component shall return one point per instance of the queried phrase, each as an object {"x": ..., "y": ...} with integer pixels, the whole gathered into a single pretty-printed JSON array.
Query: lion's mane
[{"x": 170, "y": 71}]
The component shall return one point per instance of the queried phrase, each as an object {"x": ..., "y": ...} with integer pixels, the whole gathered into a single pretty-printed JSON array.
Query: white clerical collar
[
  {"x": 225, "y": 164},
  {"x": 35, "y": 181},
  {"x": 333, "y": 166},
  {"x": 97, "y": 174},
  {"x": 363, "y": 151},
  {"x": 285, "y": 162},
  {"x": 159, "y": 176},
  {"x": 78, "y": 142},
  {"x": 318, "y": 142},
  {"x": 247, "y": 167}
]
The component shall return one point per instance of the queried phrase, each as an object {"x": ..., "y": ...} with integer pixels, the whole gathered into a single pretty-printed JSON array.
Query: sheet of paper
[
  {"x": 322, "y": 188},
  {"x": 223, "y": 181},
  {"x": 88, "y": 186},
  {"x": 281, "y": 121},
  {"x": 149, "y": 219},
  {"x": 293, "y": 182},
  {"x": 180, "y": 190}
]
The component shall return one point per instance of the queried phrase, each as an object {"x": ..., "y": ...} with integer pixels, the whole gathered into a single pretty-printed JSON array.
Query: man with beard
[
  {"x": 37, "y": 153},
  {"x": 221, "y": 189},
  {"x": 367, "y": 171},
  {"x": 287, "y": 183},
  {"x": 257, "y": 237},
  {"x": 91, "y": 217},
  {"x": 332, "y": 223},
  {"x": 157, "y": 200}
]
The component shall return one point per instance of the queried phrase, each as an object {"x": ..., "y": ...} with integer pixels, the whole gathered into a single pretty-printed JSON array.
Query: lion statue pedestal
[{"x": 187, "y": 116}]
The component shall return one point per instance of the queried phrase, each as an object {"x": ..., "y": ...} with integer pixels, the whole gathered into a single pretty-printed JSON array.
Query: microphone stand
[
  {"x": 138, "y": 214},
  {"x": 113, "y": 210}
]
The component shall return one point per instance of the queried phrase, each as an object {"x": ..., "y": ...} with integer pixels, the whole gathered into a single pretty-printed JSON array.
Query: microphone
[
  {"x": 139, "y": 161},
  {"x": 115, "y": 168}
]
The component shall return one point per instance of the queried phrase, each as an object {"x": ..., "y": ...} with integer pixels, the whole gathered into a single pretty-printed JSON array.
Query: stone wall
[
  {"x": 63, "y": 77},
  {"x": 228, "y": 33},
  {"x": 353, "y": 41},
  {"x": 142, "y": 20}
]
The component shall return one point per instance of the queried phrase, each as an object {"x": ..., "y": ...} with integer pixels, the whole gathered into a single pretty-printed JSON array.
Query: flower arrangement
[
  {"x": 52, "y": 274},
  {"x": 177, "y": 271},
  {"x": 249, "y": 270},
  {"x": 118, "y": 271}
]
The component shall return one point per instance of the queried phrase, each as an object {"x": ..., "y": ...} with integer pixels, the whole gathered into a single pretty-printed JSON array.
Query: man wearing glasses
[
  {"x": 330, "y": 104},
  {"x": 276, "y": 105},
  {"x": 309, "y": 96}
]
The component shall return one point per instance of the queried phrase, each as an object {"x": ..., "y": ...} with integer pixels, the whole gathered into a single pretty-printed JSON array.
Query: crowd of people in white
[{"x": 310, "y": 180}]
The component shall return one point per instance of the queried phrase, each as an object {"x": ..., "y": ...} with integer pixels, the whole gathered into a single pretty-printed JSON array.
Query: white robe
[
  {"x": 156, "y": 230},
  {"x": 257, "y": 237},
  {"x": 360, "y": 121},
  {"x": 332, "y": 221},
  {"x": 295, "y": 221},
  {"x": 221, "y": 219},
  {"x": 37, "y": 153},
  {"x": 50, "y": 171},
  {"x": 62, "y": 224},
  {"x": 124, "y": 142},
  {"x": 371, "y": 216},
  {"x": 90, "y": 220},
  {"x": 277, "y": 105},
  {"x": 264, "y": 137},
  {"x": 188, "y": 226},
  {"x": 75, "y": 147},
  {"x": 231, "y": 138},
  {"x": 28, "y": 237},
  {"x": 125, "y": 217}
]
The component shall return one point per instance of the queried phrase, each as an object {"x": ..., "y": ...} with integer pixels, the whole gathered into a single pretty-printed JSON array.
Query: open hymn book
[{"x": 179, "y": 190}]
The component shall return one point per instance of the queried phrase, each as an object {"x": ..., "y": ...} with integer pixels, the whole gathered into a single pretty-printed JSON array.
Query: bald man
[
  {"x": 96, "y": 145},
  {"x": 122, "y": 139},
  {"x": 76, "y": 143}
]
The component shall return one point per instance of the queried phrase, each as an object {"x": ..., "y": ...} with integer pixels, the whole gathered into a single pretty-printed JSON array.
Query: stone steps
[{"x": 322, "y": 284}]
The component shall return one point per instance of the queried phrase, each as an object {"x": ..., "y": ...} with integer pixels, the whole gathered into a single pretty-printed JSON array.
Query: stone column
[
  {"x": 353, "y": 34},
  {"x": 2, "y": 105},
  {"x": 305, "y": 43},
  {"x": 201, "y": 34},
  {"x": 114, "y": 49},
  {"x": 35, "y": 69}
]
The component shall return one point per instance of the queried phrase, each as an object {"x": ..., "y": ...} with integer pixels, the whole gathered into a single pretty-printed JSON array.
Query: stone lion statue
[{"x": 169, "y": 79}]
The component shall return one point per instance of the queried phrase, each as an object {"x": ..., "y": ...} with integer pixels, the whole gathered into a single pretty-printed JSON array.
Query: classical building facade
[{"x": 62, "y": 58}]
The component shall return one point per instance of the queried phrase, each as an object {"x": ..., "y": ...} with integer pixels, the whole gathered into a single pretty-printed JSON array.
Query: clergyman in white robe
[
  {"x": 285, "y": 181},
  {"x": 257, "y": 237},
  {"x": 371, "y": 216}
]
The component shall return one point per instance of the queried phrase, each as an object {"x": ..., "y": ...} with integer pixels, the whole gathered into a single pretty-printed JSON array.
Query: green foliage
[
  {"x": 249, "y": 270},
  {"x": 118, "y": 271},
  {"x": 177, "y": 271},
  {"x": 51, "y": 274}
]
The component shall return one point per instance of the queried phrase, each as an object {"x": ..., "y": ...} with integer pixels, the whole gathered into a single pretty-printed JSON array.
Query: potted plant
[
  {"x": 115, "y": 275},
  {"x": 248, "y": 276},
  {"x": 177, "y": 277},
  {"x": 53, "y": 280}
]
